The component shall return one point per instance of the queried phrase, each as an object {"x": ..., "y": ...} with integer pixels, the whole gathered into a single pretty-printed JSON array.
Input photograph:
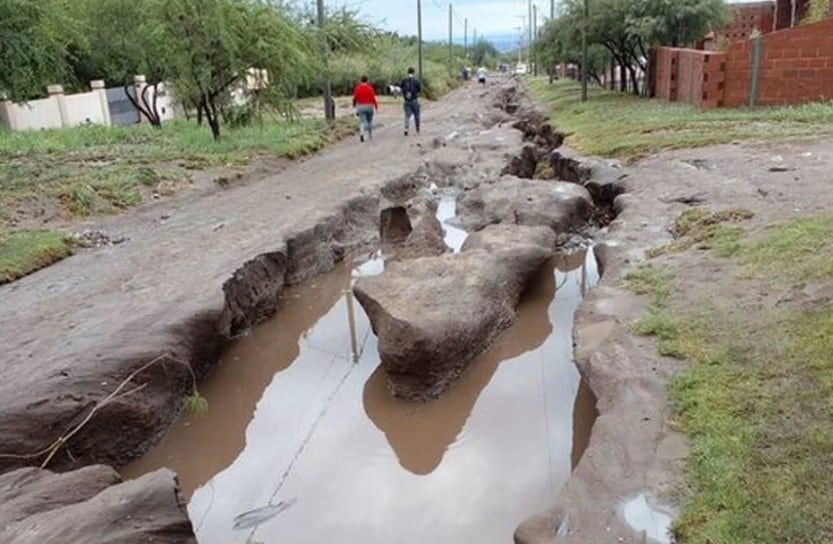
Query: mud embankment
[{"x": 633, "y": 456}]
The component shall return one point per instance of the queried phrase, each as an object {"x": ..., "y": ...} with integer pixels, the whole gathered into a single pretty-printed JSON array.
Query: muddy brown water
[{"x": 301, "y": 444}]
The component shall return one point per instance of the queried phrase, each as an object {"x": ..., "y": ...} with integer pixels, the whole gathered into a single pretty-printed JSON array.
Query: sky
[{"x": 493, "y": 19}]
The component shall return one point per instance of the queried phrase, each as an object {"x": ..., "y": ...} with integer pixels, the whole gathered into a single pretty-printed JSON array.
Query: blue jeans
[
  {"x": 365, "y": 114},
  {"x": 412, "y": 108}
]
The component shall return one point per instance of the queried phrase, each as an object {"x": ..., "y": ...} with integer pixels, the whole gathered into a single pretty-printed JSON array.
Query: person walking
[
  {"x": 364, "y": 100},
  {"x": 482, "y": 72},
  {"x": 411, "y": 88}
]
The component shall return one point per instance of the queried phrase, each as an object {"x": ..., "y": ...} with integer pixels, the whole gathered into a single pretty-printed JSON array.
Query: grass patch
[
  {"x": 649, "y": 280},
  {"x": 23, "y": 252},
  {"x": 756, "y": 400},
  {"x": 90, "y": 170},
  {"x": 704, "y": 229},
  {"x": 801, "y": 249},
  {"x": 615, "y": 124},
  {"x": 757, "y": 406}
]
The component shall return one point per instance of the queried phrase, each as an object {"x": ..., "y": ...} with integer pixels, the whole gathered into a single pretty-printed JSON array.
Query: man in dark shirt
[{"x": 410, "y": 92}]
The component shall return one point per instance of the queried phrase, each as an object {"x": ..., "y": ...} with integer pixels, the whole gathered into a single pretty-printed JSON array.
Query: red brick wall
[
  {"x": 738, "y": 74},
  {"x": 690, "y": 75},
  {"x": 796, "y": 67},
  {"x": 665, "y": 75},
  {"x": 747, "y": 17}
]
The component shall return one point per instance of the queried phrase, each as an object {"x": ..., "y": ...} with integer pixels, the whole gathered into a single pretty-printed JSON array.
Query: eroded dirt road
[
  {"x": 201, "y": 267},
  {"x": 195, "y": 270}
]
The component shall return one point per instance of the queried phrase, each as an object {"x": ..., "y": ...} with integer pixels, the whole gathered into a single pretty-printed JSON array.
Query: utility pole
[
  {"x": 552, "y": 9},
  {"x": 450, "y": 38},
  {"x": 419, "y": 35},
  {"x": 329, "y": 105},
  {"x": 535, "y": 34},
  {"x": 584, "y": 51},
  {"x": 466, "y": 38},
  {"x": 529, "y": 53}
]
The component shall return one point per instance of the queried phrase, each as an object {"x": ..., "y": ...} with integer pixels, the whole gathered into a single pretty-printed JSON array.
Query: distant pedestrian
[
  {"x": 364, "y": 100},
  {"x": 411, "y": 88},
  {"x": 482, "y": 72}
]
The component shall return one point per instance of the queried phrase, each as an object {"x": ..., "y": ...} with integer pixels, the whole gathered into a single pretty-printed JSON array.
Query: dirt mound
[
  {"x": 434, "y": 315},
  {"x": 563, "y": 207},
  {"x": 90, "y": 506}
]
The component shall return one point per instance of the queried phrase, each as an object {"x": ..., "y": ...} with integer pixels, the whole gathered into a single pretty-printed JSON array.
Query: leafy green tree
[
  {"x": 34, "y": 45},
  {"x": 216, "y": 42},
  {"x": 126, "y": 39},
  {"x": 483, "y": 53},
  {"x": 627, "y": 29}
]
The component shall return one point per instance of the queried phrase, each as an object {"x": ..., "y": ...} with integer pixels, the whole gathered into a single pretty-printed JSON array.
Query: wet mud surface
[{"x": 304, "y": 445}]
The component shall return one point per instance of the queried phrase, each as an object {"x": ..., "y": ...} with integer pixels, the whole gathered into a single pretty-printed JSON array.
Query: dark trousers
[{"x": 412, "y": 108}]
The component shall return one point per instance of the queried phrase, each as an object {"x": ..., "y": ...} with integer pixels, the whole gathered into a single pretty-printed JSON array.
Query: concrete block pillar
[
  {"x": 56, "y": 93},
  {"x": 8, "y": 113},
  {"x": 97, "y": 86},
  {"x": 139, "y": 84}
]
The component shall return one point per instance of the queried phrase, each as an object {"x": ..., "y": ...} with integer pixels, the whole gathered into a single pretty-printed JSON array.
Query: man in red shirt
[{"x": 364, "y": 100}]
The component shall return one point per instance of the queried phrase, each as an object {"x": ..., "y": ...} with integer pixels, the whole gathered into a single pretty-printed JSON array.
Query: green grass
[
  {"x": 89, "y": 170},
  {"x": 23, "y": 252},
  {"x": 801, "y": 249},
  {"x": 702, "y": 228},
  {"x": 614, "y": 124},
  {"x": 756, "y": 399}
]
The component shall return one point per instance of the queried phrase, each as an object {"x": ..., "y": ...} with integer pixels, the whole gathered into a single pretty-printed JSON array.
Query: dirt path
[{"x": 74, "y": 331}]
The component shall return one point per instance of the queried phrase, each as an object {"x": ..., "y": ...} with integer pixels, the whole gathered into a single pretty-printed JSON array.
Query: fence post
[
  {"x": 755, "y": 69},
  {"x": 97, "y": 86},
  {"x": 56, "y": 92},
  {"x": 139, "y": 84},
  {"x": 7, "y": 112}
]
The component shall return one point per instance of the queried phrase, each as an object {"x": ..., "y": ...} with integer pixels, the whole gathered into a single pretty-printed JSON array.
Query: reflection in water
[
  {"x": 454, "y": 237},
  {"x": 645, "y": 519},
  {"x": 419, "y": 433},
  {"x": 325, "y": 449},
  {"x": 200, "y": 446}
]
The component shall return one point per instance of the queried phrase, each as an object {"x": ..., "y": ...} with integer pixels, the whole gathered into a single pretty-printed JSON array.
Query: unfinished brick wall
[
  {"x": 700, "y": 77},
  {"x": 796, "y": 66},
  {"x": 666, "y": 73},
  {"x": 738, "y": 75},
  {"x": 748, "y": 17}
]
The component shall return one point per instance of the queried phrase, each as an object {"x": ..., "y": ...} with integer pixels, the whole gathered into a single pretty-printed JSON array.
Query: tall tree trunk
[
  {"x": 612, "y": 74},
  {"x": 211, "y": 116},
  {"x": 634, "y": 80}
]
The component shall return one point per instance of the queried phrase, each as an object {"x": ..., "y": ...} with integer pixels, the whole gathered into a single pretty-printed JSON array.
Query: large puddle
[{"x": 303, "y": 443}]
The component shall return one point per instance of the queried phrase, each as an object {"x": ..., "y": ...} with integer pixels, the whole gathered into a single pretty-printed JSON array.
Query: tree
[
  {"x": 127, "y": 41},
  {"x": 484, "y": 53},
  {"x": 34, "y": 40},
  {"x": 218, "y": 41},
  {"x": 560, "y": 42},
  {"x": 627, "y": 29}
]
